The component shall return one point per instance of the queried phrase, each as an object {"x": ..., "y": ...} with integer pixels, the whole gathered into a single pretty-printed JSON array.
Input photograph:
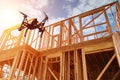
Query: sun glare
[
  {"x": 44, "y": 3},
  {"x": 9, "y": 12},
  {"x": 10, "y": 17}
]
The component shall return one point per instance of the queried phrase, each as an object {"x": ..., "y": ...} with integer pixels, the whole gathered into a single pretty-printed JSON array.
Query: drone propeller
[
  {"x": 46, "y": 17},
  {"x": 25, "y": 15},
  {"x": 44, "y": 13}
]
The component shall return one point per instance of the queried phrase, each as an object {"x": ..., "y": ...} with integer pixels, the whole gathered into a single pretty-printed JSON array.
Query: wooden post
[
  {"x": 61, "y": 33},
  {"x": 31, "y": 64},
  {"x": 40, "y": 68},
  {"x": 25, "y": 65},
  {"x": 28, "y": 36},
  {"x": 80, "y": 67},
  {"x": 75, "y": 64},
  {"x": 116, "y": 39},
  {"x": 21, "y": 64},
  {"x": 85, "y": 77},
  {"x": 45, "y": 69},
  {"x": 32, "y": 36},
  {"x": 68, "y": 66},
  {"x": 14, "y": 65},
  {"x": 81, "y": 30},
  {"x": 52, "y": 37},
  {"x": 118, "y": 15},
  {"x": 62, "y": 66},
  {"x": 70, "y": 31},
  {"x": 34, "y": 71},
  {"x": 48, "y": 42}
]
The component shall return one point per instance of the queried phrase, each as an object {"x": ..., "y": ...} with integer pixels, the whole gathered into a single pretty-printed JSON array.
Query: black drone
[{"x": 34, "y": 24}]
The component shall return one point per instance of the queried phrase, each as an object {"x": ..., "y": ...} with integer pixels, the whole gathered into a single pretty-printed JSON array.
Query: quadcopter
[{"x": 33, "y": 24}]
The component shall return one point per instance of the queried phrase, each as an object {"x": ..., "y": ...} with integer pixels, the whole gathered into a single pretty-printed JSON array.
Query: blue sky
[{"x": 56, "y": 9}]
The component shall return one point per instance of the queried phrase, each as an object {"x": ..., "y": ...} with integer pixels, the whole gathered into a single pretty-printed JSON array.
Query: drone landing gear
[{"x": 42, "y": 32}]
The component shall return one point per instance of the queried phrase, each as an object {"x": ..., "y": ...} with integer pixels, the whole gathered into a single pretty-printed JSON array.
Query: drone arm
[{"x": 42, "y": 23}]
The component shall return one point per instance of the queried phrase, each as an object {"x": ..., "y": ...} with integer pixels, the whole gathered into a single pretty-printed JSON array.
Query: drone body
[{"x": 33, "y": 25}]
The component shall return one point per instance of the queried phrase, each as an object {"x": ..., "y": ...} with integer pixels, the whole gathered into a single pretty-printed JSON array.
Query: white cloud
[
  {"x": 53, "y": 20},
  {"x": 84, "y": 5},
  {"x": 71, "y": 1},
  {"x": 34, "y": 8}
]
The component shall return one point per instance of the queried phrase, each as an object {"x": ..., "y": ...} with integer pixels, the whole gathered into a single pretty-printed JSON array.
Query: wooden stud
[
  {"x": 14, "y": 65},
  {"x": 40, "y": 68},
  {"x": 31, "y": 64},
  {"x": 21, "y": 64},
  {"x": 34, "y": 71},
  {"x": 25, "y": 65},
  {"x": 70, "y": 31},
  {"x": 61, "y": 34},
  {"x": 52, "y": 74},
  {"x": 81, "y": 29},
  {"x": 85, "y": 77},
  {"x": 108, "y": 23},
  {"x": 116, "y": 38},
  {"x": 49, "y": 36},
  {"x": 28, "y": 36},
  {"x": 118, "y": 15},
  {"x": 45, "y": 69},
  {"x": 75, "y": 64}
]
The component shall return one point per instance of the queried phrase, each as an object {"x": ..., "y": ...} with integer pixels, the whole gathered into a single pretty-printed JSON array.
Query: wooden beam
[
  {"x": 116, "y": 41},
  {"x": 94, "y": 25},
  {"x": 11, "y": 53},
  {"x": 98, "y": 47},
  {"x": 75, "y": 28},
  {"x": 93, "y": 19},
  {"x": 92, "y": 34},
  {"x": 117, "y": 75},
  {"x": 55, "y": 77}
]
